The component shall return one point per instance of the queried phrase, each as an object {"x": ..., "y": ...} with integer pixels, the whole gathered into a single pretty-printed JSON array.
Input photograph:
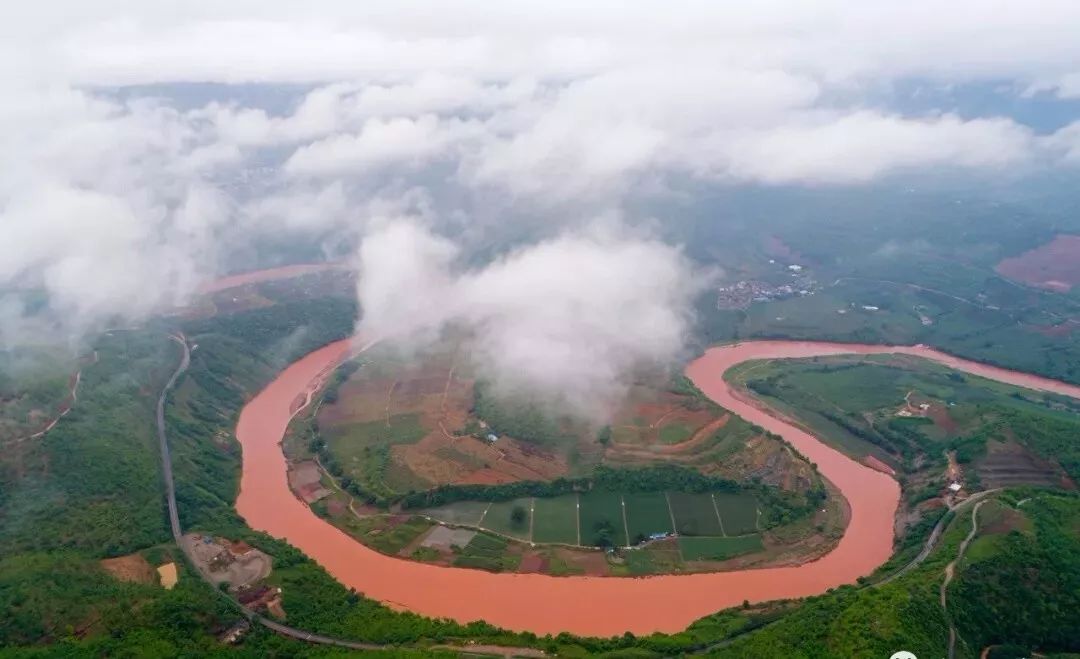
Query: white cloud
[
  {"x": 567, "y": 320},
  {"x": 464, "y": 110},
  {"x": 380, "y": 143},
  {"x": 864, "y": 145}
]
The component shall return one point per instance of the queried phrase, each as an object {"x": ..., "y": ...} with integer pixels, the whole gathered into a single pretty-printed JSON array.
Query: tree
[
  {"x": 604, "y": 435},
  {"x": 517, "y": 515}
]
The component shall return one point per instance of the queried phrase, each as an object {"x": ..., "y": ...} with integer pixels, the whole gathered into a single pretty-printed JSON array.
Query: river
[{"x": 599, "y": 606}]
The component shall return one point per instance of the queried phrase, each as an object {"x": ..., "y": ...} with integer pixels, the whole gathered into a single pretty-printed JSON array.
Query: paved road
[
  {"x": 935, "y": 535},
  {"x": 178, "y": 533},
  {"x": 166, "y": 459},
  {"x": 284, "y": 630}
]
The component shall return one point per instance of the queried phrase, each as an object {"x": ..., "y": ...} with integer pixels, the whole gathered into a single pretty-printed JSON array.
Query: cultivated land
[
  {"x": 110, "y": 618},
  {"x": 388, "y": 427},
  {"x": 933, "y": 426}
]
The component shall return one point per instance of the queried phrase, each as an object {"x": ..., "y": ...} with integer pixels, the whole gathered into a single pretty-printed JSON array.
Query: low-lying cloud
[
  {"x": 142, "y": 148},
  {"x": 566, "y": 321}
]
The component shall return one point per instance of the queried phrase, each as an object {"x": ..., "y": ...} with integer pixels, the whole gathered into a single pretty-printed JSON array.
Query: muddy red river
[{"x": 584, "y": 605}]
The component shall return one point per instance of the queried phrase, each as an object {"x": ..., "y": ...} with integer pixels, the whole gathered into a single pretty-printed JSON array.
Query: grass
[
  {"x": 718, "y": 549},
  {"x": 639, "y": 562},
  {"x": 382, "y": 534},
  {"x": 597, "y": 510},
  {"x": 646, "y": 513},
  {"x": 555, "y": 520},
  {"x": 851, "y": 402},
  {"x": 738, "y": 512},
  {"x": 559, "y": 567},
  {"x": 694, "y": 514},
  {"x": 498, "y": 518},
  {"x": 401, "y": 429},
  {"x": 426, "y": 554},
  {"x": 675, "y": 433}
]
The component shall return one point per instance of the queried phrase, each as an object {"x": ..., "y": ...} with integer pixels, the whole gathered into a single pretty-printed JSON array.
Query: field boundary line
[
  {"x": 674, "y": 527},
  {"x": 625, "y": 525},
  {"x": 483, "y": 515},
  {"x": 532, "y": 519},
  {"x": 577, "y": 513},
  {"x": 671, "y": 513},
  {"x": 720, "y": 519}
]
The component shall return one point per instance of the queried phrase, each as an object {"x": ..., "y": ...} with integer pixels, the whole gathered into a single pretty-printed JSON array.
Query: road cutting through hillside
[{"x": 599, "y": 606}]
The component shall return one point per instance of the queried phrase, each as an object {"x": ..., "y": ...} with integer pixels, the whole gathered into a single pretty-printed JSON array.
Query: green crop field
[
  {"x": 597, "y": 510},
  {"x": 738, "y": 512},
  {"x": 718, "y": 549},
  {"x": 646, "y": 513},
  {"x": 487, "y": 552},
  {"x": 467, "y": 513},
  {"x": 498, "y": 518},
  {"x": 694, "y": 514},
  {"x": 639, "y": 562},
  {"x": 673, "y": 433},
  {"x": 555, "y": 520}
]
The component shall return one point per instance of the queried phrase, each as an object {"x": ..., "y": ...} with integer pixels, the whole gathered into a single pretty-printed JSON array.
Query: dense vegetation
[
  {"x": 92, "y": 484},
  {"x": 853, "y": 402},
  {"x": 516, "y": 417},
  {"x": 33, "y": 385},
  {"x": 1026, "y": 591},
  {"x": 903, "y": 250},
  {"x": 91, "y": 489}
]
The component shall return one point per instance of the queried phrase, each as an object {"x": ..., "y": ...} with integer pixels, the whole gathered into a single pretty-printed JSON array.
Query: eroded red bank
[{"x": 582, "y": 605}]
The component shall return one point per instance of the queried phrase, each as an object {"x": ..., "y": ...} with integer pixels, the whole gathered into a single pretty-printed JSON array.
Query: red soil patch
[
  {"x": 485, "y": 477},
  {"x": 533, "y": 563},
  {"x": 940, "y": 416},
  {"x": 272, "y": 274},
  {"x": 775, "y": 247},
  {"x": 1054, "y": 266},
  {"x": 239, "y": 547},
  {"x": 335, "y": 507},
  {"x": 133, "y": 568}
]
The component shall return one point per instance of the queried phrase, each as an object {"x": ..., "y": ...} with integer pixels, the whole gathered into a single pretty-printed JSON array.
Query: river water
[{"x": 583, "y": 605}]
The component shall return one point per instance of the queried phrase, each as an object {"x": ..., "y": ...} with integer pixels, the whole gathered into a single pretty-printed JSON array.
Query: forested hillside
[{"x": 92, "y": 491}]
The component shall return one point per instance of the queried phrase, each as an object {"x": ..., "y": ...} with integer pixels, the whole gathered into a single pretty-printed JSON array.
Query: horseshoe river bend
[{"x": 546, "y": 604}]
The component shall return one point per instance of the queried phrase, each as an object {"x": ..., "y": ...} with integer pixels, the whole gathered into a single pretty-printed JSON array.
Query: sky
[{"x": 143, "y": 143}]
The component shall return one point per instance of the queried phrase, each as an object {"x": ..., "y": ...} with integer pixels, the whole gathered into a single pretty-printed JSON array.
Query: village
[{"x": 743, "y": 293}]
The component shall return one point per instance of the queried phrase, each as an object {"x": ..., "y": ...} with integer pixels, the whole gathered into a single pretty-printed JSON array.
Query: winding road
[
  {"x": 178, "y": 533},
  {"x": 950, "y": 571}
]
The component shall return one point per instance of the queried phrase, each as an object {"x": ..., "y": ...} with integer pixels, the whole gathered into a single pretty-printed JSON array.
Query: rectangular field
[
  {"x": 499, "y": 518},
  {"x": 600, "y": 509},
  {"x": 738, "y": 512},
  {"x": 487, "y": 553},
  {"x": 555, "y": 520},
  {"x": 694, "y": 514},
  {"x": 646, "y": 513},
  {"x": 466, "y": 513},
  {"x": 718, "y": 549}
]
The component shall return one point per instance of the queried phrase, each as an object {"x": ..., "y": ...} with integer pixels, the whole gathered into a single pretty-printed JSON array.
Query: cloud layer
[
  {"x": 136, "y": 156},
  {"x": 566, "y": 320}
]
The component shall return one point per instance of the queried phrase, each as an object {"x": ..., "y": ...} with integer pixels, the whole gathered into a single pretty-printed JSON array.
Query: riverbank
[{"x": 549, "y": 605}]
